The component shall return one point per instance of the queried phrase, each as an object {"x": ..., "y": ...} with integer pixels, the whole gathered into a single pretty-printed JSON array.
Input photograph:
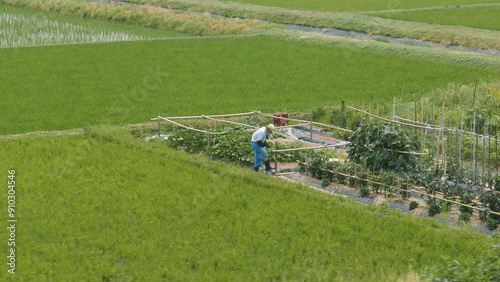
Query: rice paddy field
[
  {"x": 102, "y": 205},
  {"x": 22, "y": 27},
  {"x": 93, "y": 202},
  {"x": 130, "y": 82}
]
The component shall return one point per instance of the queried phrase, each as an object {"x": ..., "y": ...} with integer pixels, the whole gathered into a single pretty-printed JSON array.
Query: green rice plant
[
  {"x": 97, "y": 205},
  {"x": 20, "y": 31},
  {"x": 64, "y": 87},
  {"x": 70, "y": 25},
  {"x": 475, "y": 16},
  {"x": 483, "y": 268}
]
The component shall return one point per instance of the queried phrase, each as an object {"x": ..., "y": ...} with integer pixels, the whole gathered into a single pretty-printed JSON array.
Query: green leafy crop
[{"x": 382, "y": 147}]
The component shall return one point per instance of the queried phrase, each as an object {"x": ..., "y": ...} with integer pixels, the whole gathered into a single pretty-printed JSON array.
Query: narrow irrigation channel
[
  {"x": 364, "y": 36},
  {"x": 334, "y": 32}
]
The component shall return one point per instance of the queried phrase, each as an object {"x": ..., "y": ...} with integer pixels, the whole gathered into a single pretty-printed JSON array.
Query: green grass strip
[
  {"x": 485, "y": 17},
  {"x": 358, "y": 5},
  {"x": 103, "y": 206}
]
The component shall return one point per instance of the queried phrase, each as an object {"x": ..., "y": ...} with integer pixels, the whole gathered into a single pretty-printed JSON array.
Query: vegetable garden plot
[{"x": 424, "y": 173}]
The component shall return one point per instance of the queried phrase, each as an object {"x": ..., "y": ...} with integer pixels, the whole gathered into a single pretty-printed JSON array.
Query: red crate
[{"x": 279, "y": 121}]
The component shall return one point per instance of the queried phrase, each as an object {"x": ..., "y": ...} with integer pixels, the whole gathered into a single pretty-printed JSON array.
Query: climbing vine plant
[{"x": 382, "y": 147}]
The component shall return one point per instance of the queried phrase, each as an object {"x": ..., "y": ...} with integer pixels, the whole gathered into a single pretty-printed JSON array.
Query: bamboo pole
[
  {"x": 443, "y": 140},
  {"x": 460, "y": 163},
  {"x": 276, "y": 157},
  {"x": 403, "y": 91},
  {"x": 430, "y": 126},
  {"x": 415, "y": 114},
  {"x": 393, "y": 106},
  {"x": 228, "y": 121},
  {"x": 474, "y": 145},
  {"x": 311, "y": 127},
  {"x": 389, "y": 120},
  {"x": 307, "y": 122},
  {"x": 496, "y": 149},
  {"x": 212, "y": 116},
  {"x": 159, "y": 124},
  {"x": 489, "y": 155},
  {"x": 297, "y": 125},
  {"x": 192, "y": 128},
  {"x": 474, "y": 96},
  {"x": 309, "y": 148},
  {"x": 355, "y": 178},
  {"x": 398, "y": 151},
  {"x": 485, "y": 159}
]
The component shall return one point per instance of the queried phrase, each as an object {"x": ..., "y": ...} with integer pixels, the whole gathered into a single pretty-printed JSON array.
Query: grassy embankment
[
  {"x": 358, "y": 5},
  {"x": 64, "y": 87},
  {"x": 359, "y": 21},
  {"x": 483, "y": 17},
  {"x": 102, "y": 205},
  {"x": 148, "y": 16}
]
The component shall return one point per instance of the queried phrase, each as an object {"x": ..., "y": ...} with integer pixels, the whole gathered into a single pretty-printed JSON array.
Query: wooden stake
[
  {"x": 311, "y": 127},
  {"x": 461, "y": 139},
  {"x": 489, "y": 155},
  {"x": 416, "y": 137},
  {"x": 276, "y": 157},
  {"x": 496, "y": 149},
  {"x": 355, "y": 174},
  {"x": 442, "y": 139},
  {"x": 159, "y": 131},
  {"x": 474, "y": 158},
  {"x": 485, "y": 159},
  {"x": 474, "y": 96},
  {"x": 393, "y": 107},
  {"x": 403, "y": 91}
]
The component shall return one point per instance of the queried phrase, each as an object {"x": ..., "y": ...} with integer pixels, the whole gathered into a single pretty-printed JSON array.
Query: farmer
[{"x": 259, "y": 146}]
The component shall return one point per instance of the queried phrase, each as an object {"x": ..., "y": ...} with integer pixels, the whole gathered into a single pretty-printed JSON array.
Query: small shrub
[
  {"x": 364, "y": 191},
  {"x": 492, "y": 223},
  {"x": 465, "y": 216},
  {"x": 445, "y": 207},
  {"x": 325, "y": 182},
  {"x": 495, "y": 183},
  {"x": 413, "y": 205},
  {"x": 317, "y": 164},
  {"x": 434, "y": 210}
]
